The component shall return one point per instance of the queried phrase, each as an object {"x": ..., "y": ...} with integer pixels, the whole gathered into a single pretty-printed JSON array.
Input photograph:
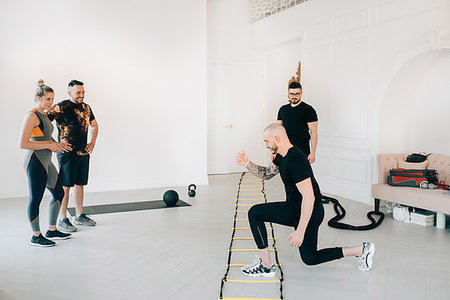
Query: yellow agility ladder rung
[
  {"x": 241, "y": 265},
  {"x": 250, "y": 199},
  {"x": 248, "y": 250},
  {"x": 252, "y": 281},
  {"x": 245, "y": 204},
  {"x": 246, "y": 228},
  {"x": 243, "y": 186},
  {"x": 246, "y": 298},
  {"x": 247, "y": 238},
  {"x": 240, "y": 219},
  {"x": 250, "y": 186},
  {"x": 253, "y": 194},
  {"x": 241, "y": 210}
]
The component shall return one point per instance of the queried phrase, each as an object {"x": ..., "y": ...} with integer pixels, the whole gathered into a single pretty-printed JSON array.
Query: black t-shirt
[
  {"x": 295, "y": 121},
  {"x": 73, "y": 121},
  {"x": 294, "y": 168}
]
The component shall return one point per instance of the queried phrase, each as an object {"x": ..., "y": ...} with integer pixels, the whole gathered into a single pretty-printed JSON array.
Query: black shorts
[{"x": 73, "y": 168}]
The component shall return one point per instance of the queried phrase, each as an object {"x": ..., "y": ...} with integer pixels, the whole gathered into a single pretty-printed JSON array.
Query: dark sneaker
[
  {"x": 84, "y": 220},
  {"x": 65, "y": 226},
  {"x": 366, "y": 258},
  {"x": 256, "y": 269},
  {"x": 57, "y": 235},
  {"x": 41, "y": 241}
]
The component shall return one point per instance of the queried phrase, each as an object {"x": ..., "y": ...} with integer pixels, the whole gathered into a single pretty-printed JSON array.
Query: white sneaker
[
  {"x": 256, "y": 269},
  {"x": 84, "y": 220},
  {"x": 365, "y": 260}
]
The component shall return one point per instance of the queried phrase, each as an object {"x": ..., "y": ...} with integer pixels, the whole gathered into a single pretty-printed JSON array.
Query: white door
[{"x": 235, "y": 116}]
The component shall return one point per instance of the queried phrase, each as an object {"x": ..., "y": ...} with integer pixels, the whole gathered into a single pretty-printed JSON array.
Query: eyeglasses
[{"x": 296, "y": 94}]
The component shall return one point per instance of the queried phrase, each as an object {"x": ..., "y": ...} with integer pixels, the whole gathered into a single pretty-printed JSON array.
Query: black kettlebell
[{"x": 191, "y": 190}]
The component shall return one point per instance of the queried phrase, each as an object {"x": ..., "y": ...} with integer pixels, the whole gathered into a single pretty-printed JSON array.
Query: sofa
[{"x": 436, "y": 200}]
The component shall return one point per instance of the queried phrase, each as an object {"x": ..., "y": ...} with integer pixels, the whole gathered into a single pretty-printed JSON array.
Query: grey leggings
[
  {"x": 37, "y": 181},
  {"x": 287, "y": 213}
]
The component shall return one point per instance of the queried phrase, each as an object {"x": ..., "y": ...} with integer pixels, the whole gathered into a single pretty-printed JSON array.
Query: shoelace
[
  {"x": 255, "y": 263},
  {"x": 256, "y": 269}
]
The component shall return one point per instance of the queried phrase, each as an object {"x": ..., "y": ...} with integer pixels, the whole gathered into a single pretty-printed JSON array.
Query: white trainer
[
  {"x": 256, "y": 269},
  {"x": 366, "y": 258}
]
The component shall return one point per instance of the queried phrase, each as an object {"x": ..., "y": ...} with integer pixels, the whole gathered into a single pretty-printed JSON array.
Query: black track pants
[{"x": 286, "y": 213}]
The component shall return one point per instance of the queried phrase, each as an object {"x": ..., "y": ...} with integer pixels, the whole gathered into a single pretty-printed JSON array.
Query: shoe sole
[
  {"x": 58, "y": 238},
  {"x": 369, "y": 258},
  {"x": 267, "y": 275},
  {"x": 82, "y": 224},
  {"x": 39, "y": 245},
  {"x": 67, "y": 230}
]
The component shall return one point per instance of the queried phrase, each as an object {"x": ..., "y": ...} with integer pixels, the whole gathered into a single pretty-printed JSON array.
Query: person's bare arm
[
  {"x": 91, "y": 145},
  {"x": 306, "y": 189},
  {"x": 313, "y": 131},
  {"x": 261, "y": 172}
]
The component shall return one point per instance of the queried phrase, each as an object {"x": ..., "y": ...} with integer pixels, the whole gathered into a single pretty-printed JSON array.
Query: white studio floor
[{"x": 180, "y": 253}]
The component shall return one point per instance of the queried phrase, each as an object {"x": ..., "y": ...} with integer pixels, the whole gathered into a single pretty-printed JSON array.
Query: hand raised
[{"x": 242, "y": 159}]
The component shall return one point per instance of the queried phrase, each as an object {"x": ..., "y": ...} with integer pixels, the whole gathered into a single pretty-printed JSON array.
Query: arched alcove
[{"x": 415, "y": 114}]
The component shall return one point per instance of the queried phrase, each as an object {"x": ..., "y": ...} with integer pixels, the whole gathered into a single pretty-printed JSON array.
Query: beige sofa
[{"x": 434, "y": 200}]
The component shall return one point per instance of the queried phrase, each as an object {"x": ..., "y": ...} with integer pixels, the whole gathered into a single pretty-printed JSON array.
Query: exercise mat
[{"x": 124, "y": 207}]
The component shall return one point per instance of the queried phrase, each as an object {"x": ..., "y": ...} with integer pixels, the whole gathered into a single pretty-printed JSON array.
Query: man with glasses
[{"x": 300, "y": 121}]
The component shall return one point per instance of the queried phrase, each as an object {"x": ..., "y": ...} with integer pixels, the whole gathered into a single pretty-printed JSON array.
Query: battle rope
[
  {"x": 340, "y": 214},
  {"x": 230, "y": 250}
]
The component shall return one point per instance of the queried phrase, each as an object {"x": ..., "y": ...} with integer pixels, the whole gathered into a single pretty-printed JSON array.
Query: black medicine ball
[{"x": 170, "y": 198}]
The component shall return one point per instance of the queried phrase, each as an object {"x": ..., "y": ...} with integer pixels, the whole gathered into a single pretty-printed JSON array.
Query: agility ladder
[{"x": 248, "y": 183}]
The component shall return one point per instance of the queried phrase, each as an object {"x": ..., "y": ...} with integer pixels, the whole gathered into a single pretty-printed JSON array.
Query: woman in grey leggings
[{"x": 36, "y": 138}]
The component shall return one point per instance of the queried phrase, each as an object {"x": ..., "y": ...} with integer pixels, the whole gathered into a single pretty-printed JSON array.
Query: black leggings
[
  {"x": 287, "y": 213},
  {"x": 37, "y": 181}
]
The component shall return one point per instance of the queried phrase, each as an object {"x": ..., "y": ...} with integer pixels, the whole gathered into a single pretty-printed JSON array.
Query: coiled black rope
[{"x": 340, "y": 214}]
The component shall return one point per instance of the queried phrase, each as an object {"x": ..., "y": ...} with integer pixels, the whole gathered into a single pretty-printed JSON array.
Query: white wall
[
  {"x": 229, "y": 34},
  {"x": 281, "y": 65},
  {"x": 144, "y": 68},
  {"x": 235, "y": 87},
  {"x": 415, "y": 107},
  {"x": 351, "y": 52},
  {"x": 428, "y": 118}
]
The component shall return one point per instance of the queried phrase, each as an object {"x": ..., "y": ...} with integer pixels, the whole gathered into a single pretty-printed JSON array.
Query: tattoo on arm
[{"x": 263, "y": 172}]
